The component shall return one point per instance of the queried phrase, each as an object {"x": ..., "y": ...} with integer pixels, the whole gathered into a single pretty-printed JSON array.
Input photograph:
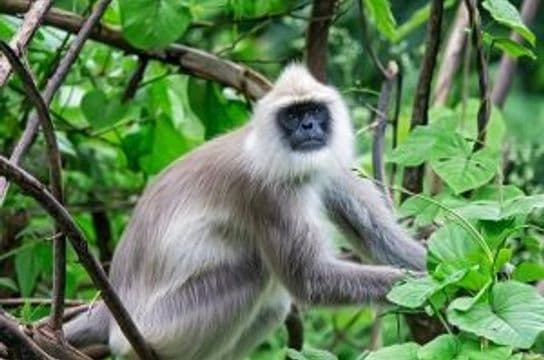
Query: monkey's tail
[{"x": 91, "y": 327}]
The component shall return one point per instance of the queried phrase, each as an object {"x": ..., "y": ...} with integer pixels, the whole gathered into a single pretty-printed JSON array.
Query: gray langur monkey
[{"x": 227, "y": 237}]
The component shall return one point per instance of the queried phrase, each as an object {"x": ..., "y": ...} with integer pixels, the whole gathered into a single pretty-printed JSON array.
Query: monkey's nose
[{"x": 307, "y": 124}]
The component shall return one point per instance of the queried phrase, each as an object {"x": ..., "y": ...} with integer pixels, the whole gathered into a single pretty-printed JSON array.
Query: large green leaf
[
  {"x": 494, "y": 211},
  {"x": 505, "y": 13},
  {"x": 512, "y": 314},
  {"x": 461, "y": 169},
  {"x": 451, "y": 347},
  {"x": 101, "y": 110},
  {"x": 414, "y": 293},
  {"x": 417, "y": 147},
  {"x": 407, "y": 351},
  {"x": 468, "y": 114},
  {"x": 154, "y": 24},
  {"x": 168, "y": 145},
  {"x": 218, "y": 113},
  {"x": 453, "y": 249},
  {"x": 380, "y": 12}
]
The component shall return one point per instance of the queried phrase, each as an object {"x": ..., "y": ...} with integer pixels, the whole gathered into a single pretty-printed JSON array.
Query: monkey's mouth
[{"x": 310, "y": 144}]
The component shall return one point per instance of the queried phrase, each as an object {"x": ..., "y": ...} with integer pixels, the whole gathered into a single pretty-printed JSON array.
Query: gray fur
[{"x": 224, "y": 239}]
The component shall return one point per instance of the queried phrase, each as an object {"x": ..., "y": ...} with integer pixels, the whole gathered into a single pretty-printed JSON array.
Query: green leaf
[
  {"x": 461, "y": 169},
  {"x": 505, "y": 13},
  {"x": 407, "y": 351},
  {"x": 509, "y": 46},
  {"x": 153, "y": 24},
  {"x": 453, "y": 249},
  {"x": 101, "y": 110},
  {"x": 451, "y": 347},
  {"x": 414, "y": 293},
  {"x": 512, "y": 315},
  {"x": 218, "y": 113},
  {"x": 8, "y": 283},
  {"x": 495, "y": 130},
  {"x": 380, "y": 12},
  {"x": 417, "y": 147},
  {"x": 528, "y": 271},
  {"x": 27, "y": 269},
  {"x": 310, "y": 354},
  {"x": 493, "y": 211},
  {"x": 168, "y": 145}
]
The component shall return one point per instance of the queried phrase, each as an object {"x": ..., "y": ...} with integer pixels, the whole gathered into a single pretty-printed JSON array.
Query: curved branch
[
  {"x": 55, "y": 174},
  {"x": 32, "y": 187},
  {"x": 192, "y": 61}
]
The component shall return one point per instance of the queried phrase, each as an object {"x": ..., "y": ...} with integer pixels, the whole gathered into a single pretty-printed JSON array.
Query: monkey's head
[{"x": 301, "y": 127}]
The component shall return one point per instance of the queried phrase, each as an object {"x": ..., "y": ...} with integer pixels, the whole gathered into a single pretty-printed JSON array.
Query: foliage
[{"x": 486, "y": 249}]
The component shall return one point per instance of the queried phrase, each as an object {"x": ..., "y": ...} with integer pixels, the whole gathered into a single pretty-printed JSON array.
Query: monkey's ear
[{"x": 295, "y": 75}]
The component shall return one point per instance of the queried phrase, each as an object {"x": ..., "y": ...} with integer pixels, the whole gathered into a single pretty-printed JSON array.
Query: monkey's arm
[
  {"x": 294, "y": 250},
  {"x": 360, "y": 210}
]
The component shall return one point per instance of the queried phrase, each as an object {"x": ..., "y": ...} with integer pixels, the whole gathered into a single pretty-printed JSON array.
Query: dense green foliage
[{"x": 486, "y": 248}]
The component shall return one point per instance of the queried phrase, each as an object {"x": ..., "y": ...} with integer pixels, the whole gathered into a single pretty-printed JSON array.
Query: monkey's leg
[
  {"x": 88, "y": 328},
  {"x": 200, "y": 319},
  {"x": 269, "y": 317}
]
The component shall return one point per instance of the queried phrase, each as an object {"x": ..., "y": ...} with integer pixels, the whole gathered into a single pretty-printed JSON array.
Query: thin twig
[
  {"x": 55, "y": 174},
  {"x": 484, "y": 112},
  {"x": 413, "y": 176},
  {"x": 378, "y": 143},
  {"x": 12, "y": 302},
  {"x": 135, "y": 79},
  {"x": 192, "y": 61},
  {"x": 453, "y": 54},
  {"x": 31, "y": 21},
  {"x": 32, "y": 187},
  {"x": 317, "y": 38}
]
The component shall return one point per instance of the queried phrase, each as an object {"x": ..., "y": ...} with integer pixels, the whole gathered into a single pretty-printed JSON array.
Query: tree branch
[
  {"x": 317, "y": 36},
  {"x": 16, "y": 340},
  {"x": 451, "y": 59},
  {"x": 484, "y": 111},
  {"x": 32, "y": 187},
  {"x": 20, "y": 40},
  {"x": 413, "y": 176},
  {"x": 191, "y": 61},
  {"x": 55, "y": 175},
  {"x": 135, "y": 80},
  {"x": 378, "y": 143}
]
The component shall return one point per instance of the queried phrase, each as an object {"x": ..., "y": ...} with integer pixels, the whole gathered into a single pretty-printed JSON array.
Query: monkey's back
[{"x": 195, "y": 210}]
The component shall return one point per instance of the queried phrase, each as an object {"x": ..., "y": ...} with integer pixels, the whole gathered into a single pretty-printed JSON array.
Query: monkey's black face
[{"x": 306, "y": 125}]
